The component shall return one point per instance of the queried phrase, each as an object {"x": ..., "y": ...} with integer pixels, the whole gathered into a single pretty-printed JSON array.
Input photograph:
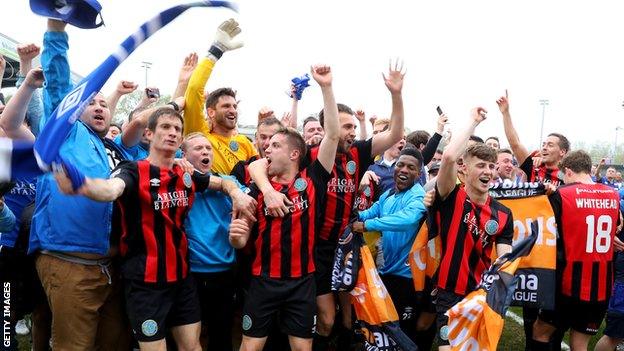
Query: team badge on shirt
[
  {"x": 246, "y": 322},
  {"x": 351, "y": 167},
  {"x": 367, "y": 191},
  {"x": 188, "y": 181},
  {"x": 444, "y": 332},
  {"x": 149, "y": 327},
  {"x": 301, "y": 184},
  {"x": 155, "y": 182},
  {"x": 491, "y": 227},
  {"x": 233, "y": 145}
]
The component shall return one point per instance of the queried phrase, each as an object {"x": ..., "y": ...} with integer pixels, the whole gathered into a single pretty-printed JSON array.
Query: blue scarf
[{"x": 48, "y": 144}]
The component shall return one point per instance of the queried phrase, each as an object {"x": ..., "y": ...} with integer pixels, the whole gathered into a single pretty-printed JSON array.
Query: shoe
[{"x": 21, "y": 328}]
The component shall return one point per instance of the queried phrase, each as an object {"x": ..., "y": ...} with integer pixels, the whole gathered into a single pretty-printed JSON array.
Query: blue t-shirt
[{"x": 22, "y": 194}]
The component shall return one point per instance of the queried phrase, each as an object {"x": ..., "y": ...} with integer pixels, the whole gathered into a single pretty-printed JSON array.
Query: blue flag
[
  {"x": 17, "y": 160},
  {"x": 48, "y": 144}
]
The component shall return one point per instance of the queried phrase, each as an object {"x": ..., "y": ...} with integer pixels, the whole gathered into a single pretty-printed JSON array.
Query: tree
[
  {"x": 601, "y": 149},
  {"x": 128, "y": 103}
]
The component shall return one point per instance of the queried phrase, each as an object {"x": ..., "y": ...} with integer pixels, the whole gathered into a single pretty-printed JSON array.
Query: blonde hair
[{"x": 190, "y": 137}]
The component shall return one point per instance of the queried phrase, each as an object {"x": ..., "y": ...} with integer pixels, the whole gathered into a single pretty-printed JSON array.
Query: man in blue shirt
[
  {"x": 211, "y": 256},
  {"x": 72, "y": 234},
  {"x": 384, "y": 167},
  {"x": 397, "y": 215}
]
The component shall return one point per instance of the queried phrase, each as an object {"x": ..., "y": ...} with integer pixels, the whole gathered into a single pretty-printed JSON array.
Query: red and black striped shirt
[
  {"x": 541, "y": 173},
  {"x": 153, "y": 207},
  {"x": 468, "y": 232},
  {"x": 587, "y": 216},
  {"x": 342, "y": 187},
  {"x": 283, "y": 247}
]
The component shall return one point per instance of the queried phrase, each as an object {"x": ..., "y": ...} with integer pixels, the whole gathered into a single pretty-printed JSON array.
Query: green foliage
[{"x": 129, "y": 101}]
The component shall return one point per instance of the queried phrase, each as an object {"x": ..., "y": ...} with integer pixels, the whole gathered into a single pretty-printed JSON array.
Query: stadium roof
[{"x": 8, "y": 49}]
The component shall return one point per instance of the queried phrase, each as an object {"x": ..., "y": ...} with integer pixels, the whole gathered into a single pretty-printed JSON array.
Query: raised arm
[
  {"x": 433, "y": 142},
  {"x": 597, "y": 172},
  {"x": 55, "y": 67},
  {"x": 519, "y": 150},
  {"x": 327, "y": 150},
  {"x": 447, "y": 175},
  {"x": 394, "y": 83},
  {"x": 12, "y": 121},
  {"x": 361, "y": 117},
  {"x": 194, "y": 112},
  {"x": 293, "y": 109},
  {"x": 123, "y": 87},
  {"x": 131, "y": 135},
  {"x": 186, "y": 71},
  {"x": 26, "y": 53}
]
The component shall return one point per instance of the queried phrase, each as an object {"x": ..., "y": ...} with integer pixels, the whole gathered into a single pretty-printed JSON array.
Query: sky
[{"x": 458, "y": 55}]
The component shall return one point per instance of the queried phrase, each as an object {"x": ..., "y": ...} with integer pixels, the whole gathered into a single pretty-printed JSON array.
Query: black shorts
[
  {"x": 153, "y": 308},
  {"x": 615, "y": 313},
  {"x": 444, "y": 300},
  {"x": 581, "y": 316},
  {"x": 403, "y": 296},
  {"x": 324, "y": 252},
  {"x": 295, "y": 300}
]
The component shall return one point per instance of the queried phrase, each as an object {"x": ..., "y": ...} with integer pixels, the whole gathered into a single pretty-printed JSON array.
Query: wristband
[
  {"x": 176, "y": 107},
  {"x": 215, "y": 51}
]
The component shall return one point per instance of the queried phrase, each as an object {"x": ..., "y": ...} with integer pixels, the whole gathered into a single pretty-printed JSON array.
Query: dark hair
[
  {"x": 504, "y": 151},
  {"x": 213, "y": 97},
  {"x": 270, "y": 121},
  {"x": 564, "y": 143},
  {"x": 418, "y": 137},
  {"x": 115, "y": 125},
  {"x": 341, "y": 108},
  {"x": 493, "y": 137},
  {"x": 308, "y": 120},
  {"x": 577, "y": 161},
  {"x": 482, "y": 152},
  {"x": 163, "y": 111},
  {"x": 414, "y": 152},
  {"x": 477, "y": 139},
  {"x": 295, "y": 140}
]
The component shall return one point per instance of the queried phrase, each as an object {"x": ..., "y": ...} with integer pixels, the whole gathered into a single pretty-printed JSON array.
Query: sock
[
  {"x": 539, "y": 345},
  {"x": 320, "y": 343}
]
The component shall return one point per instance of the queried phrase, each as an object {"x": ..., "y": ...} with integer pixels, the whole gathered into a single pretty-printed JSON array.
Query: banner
[
  {"x": 476, "y": 322},
  {"x": 424, "y": 257},
  {"x": 536, "y": 272},
  {"x": 374, "y": 310}
]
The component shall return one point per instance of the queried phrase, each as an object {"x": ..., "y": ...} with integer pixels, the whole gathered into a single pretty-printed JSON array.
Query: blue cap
[{"x": 79, "y": 13}]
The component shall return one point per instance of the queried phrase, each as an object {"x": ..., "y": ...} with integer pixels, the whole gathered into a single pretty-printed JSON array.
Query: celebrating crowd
[{"x": 186, "y": 234}]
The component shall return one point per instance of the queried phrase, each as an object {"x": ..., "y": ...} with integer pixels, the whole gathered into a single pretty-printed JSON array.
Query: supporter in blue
[
  {"x": 15, "y": 266},
  {"x": 609, "y": 178},
  {"x": 427, "y": 145},
  {"x": 211, "y": 256},
  {"x": 397, "y": 215},
  {"x": 384, "y": 167},
  {"x": 7, "y": 218},
  {"x": 132, "y": 139},
  {"x": 73, "y": 234}
]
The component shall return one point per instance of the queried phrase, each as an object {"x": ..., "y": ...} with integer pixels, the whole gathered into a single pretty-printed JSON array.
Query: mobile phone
[
  {"x": 152, "y": 93},
  {"x": 439, "y": 110}
]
